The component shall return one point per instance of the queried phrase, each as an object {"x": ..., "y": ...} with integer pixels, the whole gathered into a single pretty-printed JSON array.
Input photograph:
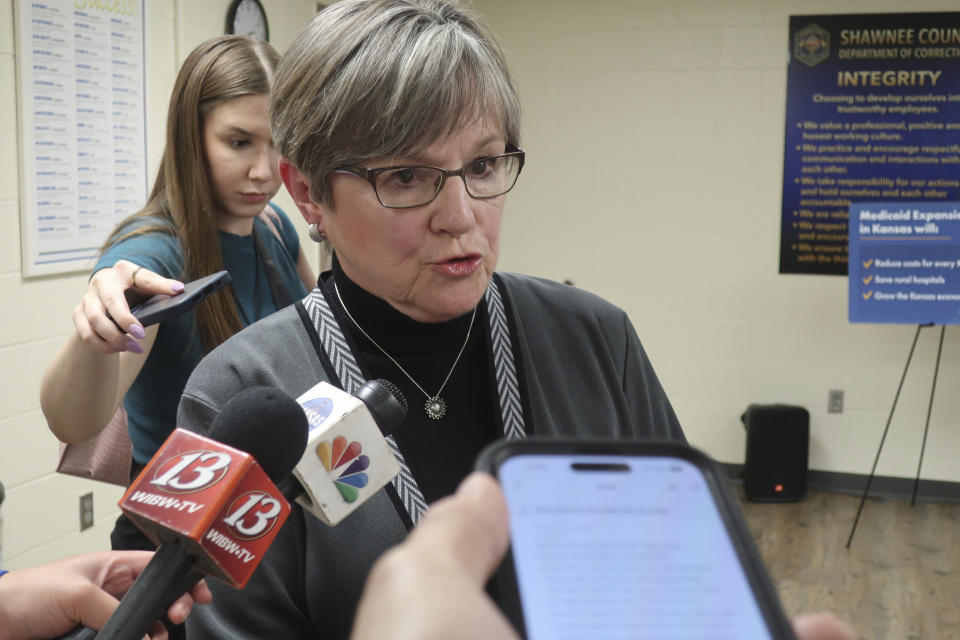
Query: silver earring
[{"x": 315, "y": 234}]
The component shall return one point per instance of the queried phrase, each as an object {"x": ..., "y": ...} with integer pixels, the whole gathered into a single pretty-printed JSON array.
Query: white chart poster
[{"x": 80, "y": 72}]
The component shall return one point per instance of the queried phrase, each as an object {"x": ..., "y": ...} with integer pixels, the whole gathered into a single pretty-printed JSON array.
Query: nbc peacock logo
[{"x": 348, "y": 464}]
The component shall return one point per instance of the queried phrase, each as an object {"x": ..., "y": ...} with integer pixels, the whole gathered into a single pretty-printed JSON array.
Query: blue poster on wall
[
  {"x": 873, "y": 114},
  {"x": 905, "y": 262}
]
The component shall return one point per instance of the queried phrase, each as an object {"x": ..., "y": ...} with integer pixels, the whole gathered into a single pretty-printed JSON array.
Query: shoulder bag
[{"x": 106, "y": 457}]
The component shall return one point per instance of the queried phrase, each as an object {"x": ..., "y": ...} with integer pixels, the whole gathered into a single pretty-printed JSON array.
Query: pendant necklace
[{"x": 435, "y": 407}]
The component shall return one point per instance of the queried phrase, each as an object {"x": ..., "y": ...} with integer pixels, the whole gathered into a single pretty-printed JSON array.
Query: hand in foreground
[
  {"x": 104, "y": 299},
  {"x": 822, "y": 626},
  {"x": 432, "y": 585},
  {"x": 52, "y": 599}
]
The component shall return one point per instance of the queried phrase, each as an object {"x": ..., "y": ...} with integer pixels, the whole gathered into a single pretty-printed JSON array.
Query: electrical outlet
[
  {"x": 835, "y": 401},
  {"x": 86, "y": 511}
]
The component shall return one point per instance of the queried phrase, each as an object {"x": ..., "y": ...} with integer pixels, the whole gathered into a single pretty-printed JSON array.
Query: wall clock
[{"x": 247, "y": 17}]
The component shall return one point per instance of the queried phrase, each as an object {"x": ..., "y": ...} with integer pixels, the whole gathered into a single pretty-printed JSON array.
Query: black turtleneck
[{"x": 440, "y": 453}]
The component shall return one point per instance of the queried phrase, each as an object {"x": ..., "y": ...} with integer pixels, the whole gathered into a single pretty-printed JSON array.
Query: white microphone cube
[{"x": 347, "y": 459}]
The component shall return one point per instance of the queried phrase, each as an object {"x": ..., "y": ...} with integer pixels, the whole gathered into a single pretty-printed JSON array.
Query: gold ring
[{"x": 133, "y": 276}]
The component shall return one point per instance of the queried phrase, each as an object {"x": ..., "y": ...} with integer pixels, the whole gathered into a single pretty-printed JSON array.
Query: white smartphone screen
[{"x": 638, "y": 550}]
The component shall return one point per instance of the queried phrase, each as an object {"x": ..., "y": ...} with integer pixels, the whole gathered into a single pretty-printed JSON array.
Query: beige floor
[{"x": 899, "y": 579}]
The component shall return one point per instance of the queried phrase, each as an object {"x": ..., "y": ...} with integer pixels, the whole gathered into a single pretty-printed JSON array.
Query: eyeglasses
[{"x": 405, "y": 187}]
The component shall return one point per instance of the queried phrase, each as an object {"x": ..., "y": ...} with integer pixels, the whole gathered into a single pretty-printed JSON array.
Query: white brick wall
[{"x": 669, "y": 115}]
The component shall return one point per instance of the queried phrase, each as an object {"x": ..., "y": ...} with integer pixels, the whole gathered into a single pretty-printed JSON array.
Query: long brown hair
[{"x": 183, "y": 202}]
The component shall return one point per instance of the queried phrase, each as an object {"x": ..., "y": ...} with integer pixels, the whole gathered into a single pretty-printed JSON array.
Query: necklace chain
[{"x": 435, "y": 407}]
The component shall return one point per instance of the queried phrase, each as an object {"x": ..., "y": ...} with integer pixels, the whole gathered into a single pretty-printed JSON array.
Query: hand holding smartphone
[
  {"x": 161, "y": 307},
  {"x": 617, "y": 539}
]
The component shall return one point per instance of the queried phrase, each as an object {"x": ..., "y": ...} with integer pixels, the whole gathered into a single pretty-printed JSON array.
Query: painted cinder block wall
[{"x": 654, "y": 132}]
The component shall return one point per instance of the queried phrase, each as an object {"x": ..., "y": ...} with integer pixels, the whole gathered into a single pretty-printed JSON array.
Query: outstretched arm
[{"x": 91, "y": 373}]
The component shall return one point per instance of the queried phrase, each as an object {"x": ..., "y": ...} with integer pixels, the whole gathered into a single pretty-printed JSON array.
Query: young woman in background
[{"x": 209, "y": 210}]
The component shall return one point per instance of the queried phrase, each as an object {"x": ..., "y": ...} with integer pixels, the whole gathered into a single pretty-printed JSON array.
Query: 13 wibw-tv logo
[{"x": 205, "y": 493}]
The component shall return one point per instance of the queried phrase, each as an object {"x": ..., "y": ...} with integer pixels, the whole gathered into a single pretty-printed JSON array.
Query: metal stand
[{"x": 933, "y": 388}]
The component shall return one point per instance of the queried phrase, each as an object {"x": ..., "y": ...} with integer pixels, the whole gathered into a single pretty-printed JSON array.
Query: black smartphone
[
  {"x": 625, "y": 539},
  {"x": 160, "y": 307}
]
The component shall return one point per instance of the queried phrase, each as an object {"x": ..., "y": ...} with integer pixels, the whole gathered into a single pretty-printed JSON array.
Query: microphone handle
[
  {"x": 291, "y": 488},
  {"x": 168, "y": 575}
]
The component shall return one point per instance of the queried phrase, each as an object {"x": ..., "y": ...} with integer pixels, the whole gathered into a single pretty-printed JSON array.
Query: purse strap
[{"x": 281, "y": 296}]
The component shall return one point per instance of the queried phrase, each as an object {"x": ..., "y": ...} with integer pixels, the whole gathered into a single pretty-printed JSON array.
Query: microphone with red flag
[
  {"x": 210, "y": 506},
  {"x": 212, "y": 509},
  {"x": 212, "y": 498}
]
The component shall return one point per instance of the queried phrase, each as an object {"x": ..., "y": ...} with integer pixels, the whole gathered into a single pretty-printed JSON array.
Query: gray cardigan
[{"x": 585, "y": 374}]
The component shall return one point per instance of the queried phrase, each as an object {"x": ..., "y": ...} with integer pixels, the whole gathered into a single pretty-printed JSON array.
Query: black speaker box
[{"x": 778, "y": 443}]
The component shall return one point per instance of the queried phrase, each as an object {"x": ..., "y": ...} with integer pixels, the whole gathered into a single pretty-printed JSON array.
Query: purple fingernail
[
  {"x": 176, "y": 287},
  {"x": 137, "y": 332},
  {"x": 134, "y": 346}
]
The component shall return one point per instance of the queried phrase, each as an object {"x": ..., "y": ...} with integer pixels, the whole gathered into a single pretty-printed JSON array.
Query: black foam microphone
[{"x": 210, "y": 506}]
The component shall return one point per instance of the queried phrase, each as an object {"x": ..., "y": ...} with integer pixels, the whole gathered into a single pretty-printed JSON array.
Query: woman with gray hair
[{"x": 399, "y": 131}]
